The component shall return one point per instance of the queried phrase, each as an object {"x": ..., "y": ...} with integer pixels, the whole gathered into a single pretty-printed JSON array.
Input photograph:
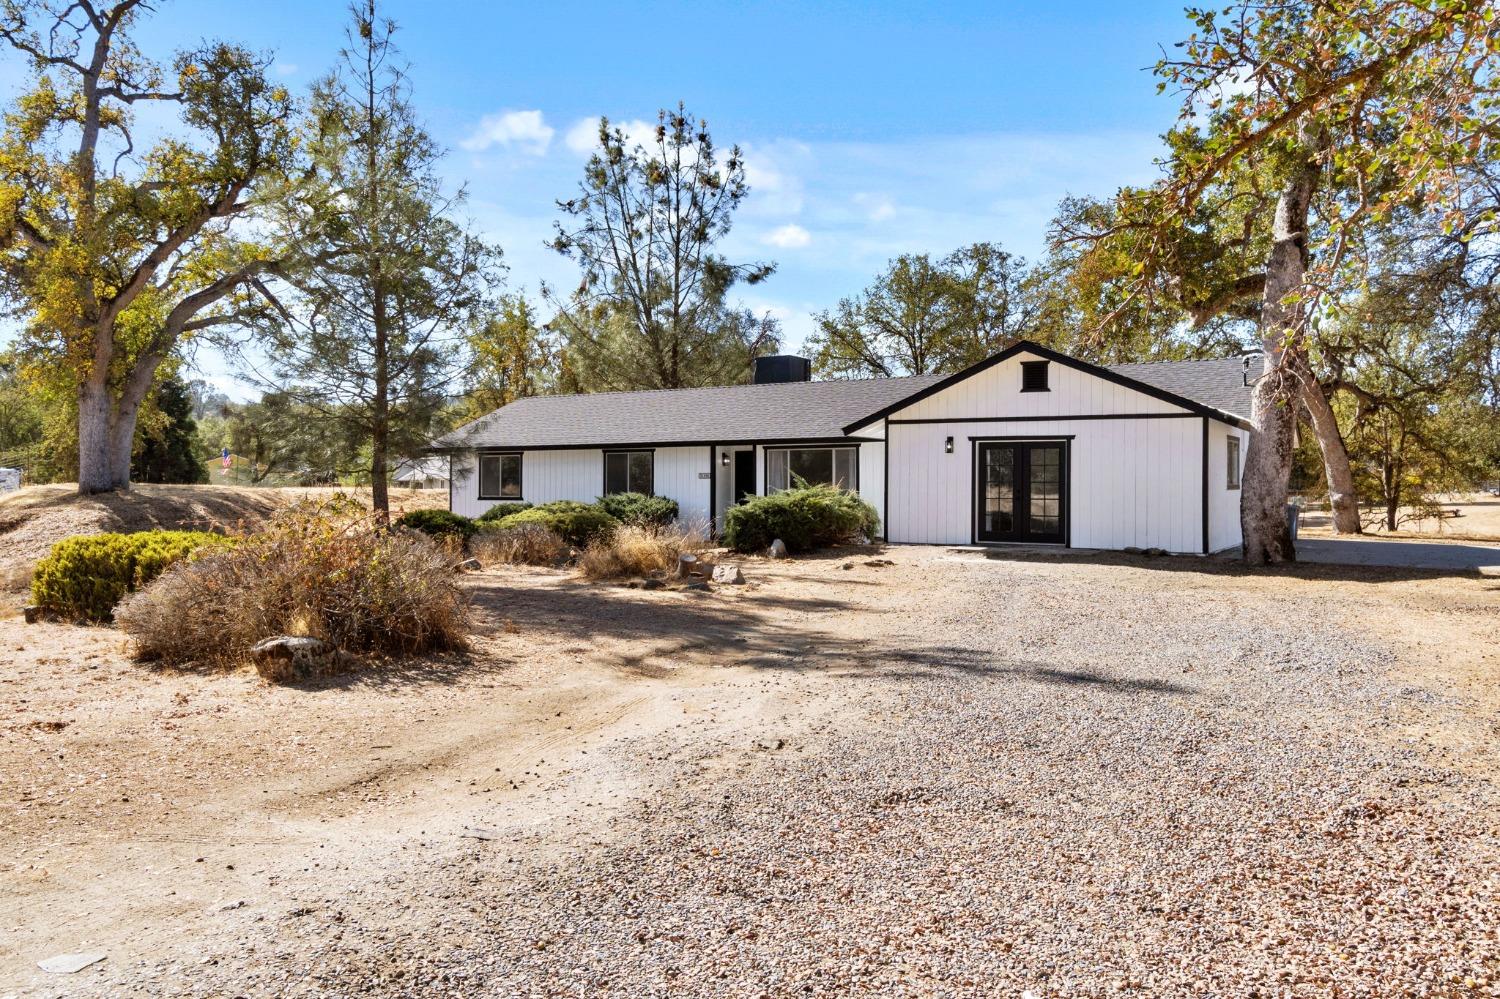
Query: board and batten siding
[
  {"x": 1135, "y": 475},
  {"x": 1223, "y": 502},
  {"x": 578, "y": 474}
]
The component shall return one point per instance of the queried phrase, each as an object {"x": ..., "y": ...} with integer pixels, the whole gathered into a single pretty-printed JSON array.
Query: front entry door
[
  {"x": 1022, "y": 491},
  {"x": 744, "y": 475}
]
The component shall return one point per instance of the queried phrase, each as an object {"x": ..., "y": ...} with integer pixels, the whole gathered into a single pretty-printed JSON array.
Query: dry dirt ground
[
  {"x": 1478, "y": 520},
  {"x": 952, "y": 775},
  {"x": 32, "y": 519}
]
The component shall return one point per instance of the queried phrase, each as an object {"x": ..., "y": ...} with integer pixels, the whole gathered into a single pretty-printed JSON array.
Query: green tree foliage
[
  {"x": 923, "y": 316},
  {"x": 651, "y": 309},
  {"x": 371, "y": 337},
  {"x": 113, "y": 255},
  {"x": 169, "y": 450},
  {"x": 512, "y": 357},
  {"x": 22, "y": 425}
]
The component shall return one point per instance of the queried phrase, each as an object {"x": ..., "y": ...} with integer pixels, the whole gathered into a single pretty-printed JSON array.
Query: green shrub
[
  {"x": 574, "y": 522},
  {"x": 439, "y": 524},
  {"x": 84, "y": 577},
  {"x": 500, "y": 511},
  {"x": 804, "y": 518},
  {"x": 639, "y": 509},
  {"x": 308, "y": 573}
]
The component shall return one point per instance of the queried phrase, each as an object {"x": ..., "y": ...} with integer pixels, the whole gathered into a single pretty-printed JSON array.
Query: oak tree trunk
[
  {"x": 95, "y": 468},
  {"x": 1268, "y": 460},
  {"x": 1342, "y": 498}
]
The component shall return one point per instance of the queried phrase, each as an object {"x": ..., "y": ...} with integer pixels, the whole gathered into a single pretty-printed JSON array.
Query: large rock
[
  {"x": 728, "y": 574},
  {"x": 292, "y": 659},
  {"x": 777, "y": 549}
]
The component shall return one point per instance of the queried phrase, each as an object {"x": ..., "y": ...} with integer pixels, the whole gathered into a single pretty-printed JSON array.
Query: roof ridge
[
  {"x": 1185, "y": 360},
  {"x": 716, "y": 388}
]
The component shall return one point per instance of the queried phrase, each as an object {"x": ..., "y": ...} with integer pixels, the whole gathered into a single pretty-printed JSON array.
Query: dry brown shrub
[
  {"x": 528, "y": 544},
  {"x": 321, "y": 571},
  {"x": 639, "y": 550}
]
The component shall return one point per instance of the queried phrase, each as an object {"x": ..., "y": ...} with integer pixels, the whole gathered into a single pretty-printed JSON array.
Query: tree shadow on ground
[
  {"x": 761, "y": 630},
  {"x": 1227, "y": 566}
]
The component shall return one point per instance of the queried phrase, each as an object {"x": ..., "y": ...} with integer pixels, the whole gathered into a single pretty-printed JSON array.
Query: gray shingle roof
[
  {"x": 1219, "y": 383},
  {"x": 779, "y": 412}
]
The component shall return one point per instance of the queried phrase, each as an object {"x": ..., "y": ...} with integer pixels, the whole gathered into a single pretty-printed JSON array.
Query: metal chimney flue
[{"x": 779, "y": 368}]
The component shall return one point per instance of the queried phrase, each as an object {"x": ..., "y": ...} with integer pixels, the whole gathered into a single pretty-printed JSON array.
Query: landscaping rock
[
  {"x": 469, "y": 565},
  {"x": 291, "y": 659},
  {"x": 728, "y": 574},
  {"x": 32, "y": 613},
  {"x": 67, "y": 964},
  {"x": 686, "y": 566},
  {"x": 847, "y": 565},
  {"x": 878, "y": 562},
  {"x": 699, "y": 585},
  {"x": 777, "y": 549},
  {"x": 653, "y": 584}
]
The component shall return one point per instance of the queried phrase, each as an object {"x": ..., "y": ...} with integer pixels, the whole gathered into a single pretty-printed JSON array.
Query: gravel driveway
[{"x": 1007, "y": 778}]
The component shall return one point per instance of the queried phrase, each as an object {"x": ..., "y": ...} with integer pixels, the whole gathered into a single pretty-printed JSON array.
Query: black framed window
[
  {"x": 831, "y": 466},
  {"x": 1233, "y": 463},
  {"x": 1034, "y": 376},
  {"x": 629, "y": 472},
  {"x": 500, "y": 476}
]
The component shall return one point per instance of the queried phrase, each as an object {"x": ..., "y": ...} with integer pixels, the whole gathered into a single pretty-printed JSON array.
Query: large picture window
[
  {"x": 629, "y": 472},
  {"x": 500, "y": 476},
  {"x": 832, "y": 466}
]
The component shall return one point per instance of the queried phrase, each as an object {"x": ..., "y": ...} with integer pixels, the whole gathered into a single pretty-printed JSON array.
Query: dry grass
[
  {"x": 529, "y": 544},
  {"x": 34, "y": 518},
  {"x": 320, "y": 570},
  {"x": 633, "y": 550}
]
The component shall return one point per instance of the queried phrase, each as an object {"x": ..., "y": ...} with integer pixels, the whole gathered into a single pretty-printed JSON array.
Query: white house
[
  {"x": 1029, "y": 446},
  {"x": 423, "y": 473}
]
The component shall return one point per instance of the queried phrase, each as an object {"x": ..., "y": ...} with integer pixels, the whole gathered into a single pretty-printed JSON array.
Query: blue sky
[{"x": 869, "y": 129}]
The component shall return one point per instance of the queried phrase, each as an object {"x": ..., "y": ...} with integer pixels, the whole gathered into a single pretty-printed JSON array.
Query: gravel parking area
[{"x": 951, "y": 776}]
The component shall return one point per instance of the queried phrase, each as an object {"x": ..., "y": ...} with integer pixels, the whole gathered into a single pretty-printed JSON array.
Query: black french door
[{"x": 1023, "y": 491}]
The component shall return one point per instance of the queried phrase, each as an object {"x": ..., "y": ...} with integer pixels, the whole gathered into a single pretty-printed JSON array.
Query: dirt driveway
[{"x": 953, "y": 775}]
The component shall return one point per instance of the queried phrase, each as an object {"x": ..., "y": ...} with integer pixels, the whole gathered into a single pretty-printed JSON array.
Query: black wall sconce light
[
  {"x": 724, "y": 458},
  {"x": 948, "y": 446}
]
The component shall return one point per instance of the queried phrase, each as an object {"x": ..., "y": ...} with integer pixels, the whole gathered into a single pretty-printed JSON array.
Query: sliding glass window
[
  {"x": 629, "y": 472},
  {"x": 831, "y": 466}
]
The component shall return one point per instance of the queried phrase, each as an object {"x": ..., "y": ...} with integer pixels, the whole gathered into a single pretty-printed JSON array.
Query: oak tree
[{"x": 112, "y": 255}]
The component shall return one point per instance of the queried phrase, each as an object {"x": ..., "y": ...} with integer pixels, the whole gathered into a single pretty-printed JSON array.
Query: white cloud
[
  {"x": 788, "y": 237},
  {"x": 286, "y": 69},
  {"x": 527, "y": 131},
  {"x": 877, "y": 207},
  {"x": 774, "y": 174},
  {"x": 583, "y": 137}
]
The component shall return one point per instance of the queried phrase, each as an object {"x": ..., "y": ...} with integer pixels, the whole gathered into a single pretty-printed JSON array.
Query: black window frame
[
  {"x": 520, "y": 457},
  {"x": 1029, "y": 373},
  {"x": 766, "y": 473},
  {"x": 604, "y": 469},
  {"x": 1233, "y": 461}
]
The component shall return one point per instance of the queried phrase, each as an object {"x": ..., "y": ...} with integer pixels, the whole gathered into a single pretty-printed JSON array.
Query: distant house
[
  {"x": 1029, "y": 446},
  {"x": 423, "y": 473}
]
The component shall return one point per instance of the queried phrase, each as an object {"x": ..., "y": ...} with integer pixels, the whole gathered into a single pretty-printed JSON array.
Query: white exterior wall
[
  {"x": 1132, "y": 482},
  {"x": 1223, "y": 502},
  {"x": 872, "y": 477},
  {"x": 579, "y": 475}
]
